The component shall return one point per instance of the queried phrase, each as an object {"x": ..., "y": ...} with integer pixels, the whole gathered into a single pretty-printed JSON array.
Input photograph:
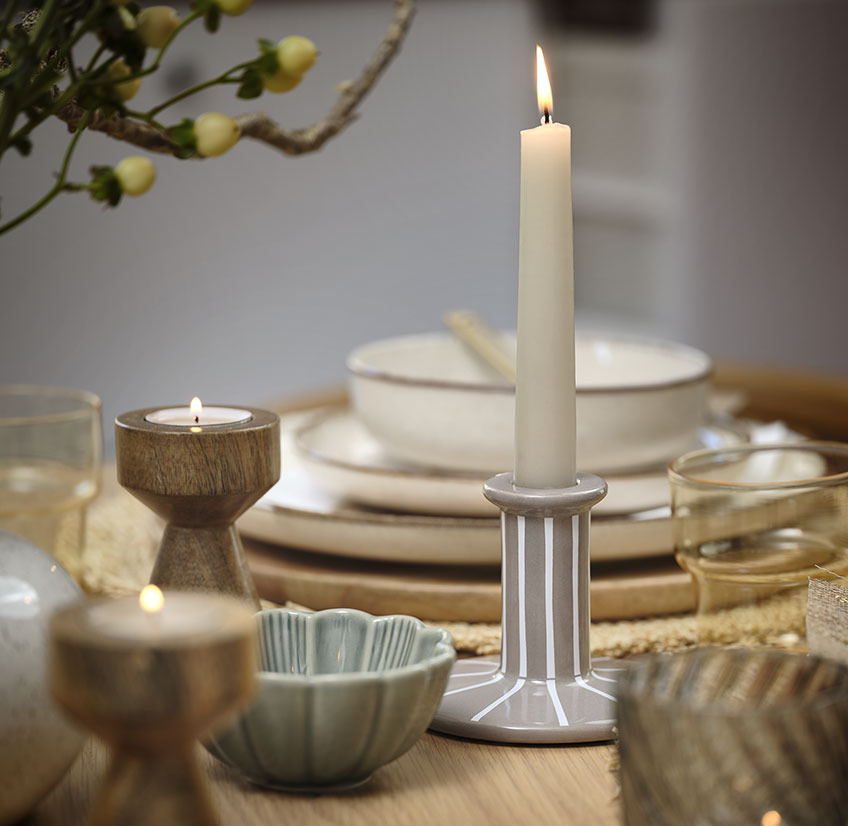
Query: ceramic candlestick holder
[
  {"x": 150, "y": 698},
  {"x": 545, "y": 687},
  {"x": 199, "y": 480}
]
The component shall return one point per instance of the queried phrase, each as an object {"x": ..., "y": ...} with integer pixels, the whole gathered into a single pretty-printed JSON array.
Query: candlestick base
[
  {"x": 152, "y": 789},
  {"x": 204, "y": 559},
  {"x": 200, "y": 480},
  {"x": 484, "y": 703},
  {"x": 544, "y": 688}
]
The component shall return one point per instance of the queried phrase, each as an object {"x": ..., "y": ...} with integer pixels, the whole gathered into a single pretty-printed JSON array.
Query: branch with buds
[{"x": 39, "y": 79}]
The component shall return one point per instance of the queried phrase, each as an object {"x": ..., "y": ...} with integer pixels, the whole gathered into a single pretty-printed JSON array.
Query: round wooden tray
[{"x": 450, "y": 594}]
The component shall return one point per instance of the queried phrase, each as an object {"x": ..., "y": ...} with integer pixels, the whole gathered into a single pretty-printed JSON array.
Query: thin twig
[
  {"x": 123, "y": 129},
  {"x": 193, "y": 90},
  {"x": 58, "y": 187},
  {"x": 259, "y": 125},
  {"x": 186, "y": 21},
  {"x": 8, "y": 14}
]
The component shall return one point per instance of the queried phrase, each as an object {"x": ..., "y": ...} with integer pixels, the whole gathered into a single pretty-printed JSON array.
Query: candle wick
[
  {"x": 547, "y": 116},
  {"x": 197, "y": 419}
]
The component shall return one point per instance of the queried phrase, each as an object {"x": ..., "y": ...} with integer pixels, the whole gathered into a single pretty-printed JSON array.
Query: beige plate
[{"x": 343, "y": 457}]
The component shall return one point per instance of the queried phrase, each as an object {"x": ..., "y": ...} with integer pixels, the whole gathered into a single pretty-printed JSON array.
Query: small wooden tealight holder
[
  {"x": 199, "y": 478},
  {"x": 150, "y": 684}
]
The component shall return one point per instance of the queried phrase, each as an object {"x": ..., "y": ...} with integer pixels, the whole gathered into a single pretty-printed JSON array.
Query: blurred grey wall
[
  {"x": 711, "y": 177},
  {"x": 250, "y": 276},
  {"x": 758, "y": 104},
  {"x": 710, "y": 200}
]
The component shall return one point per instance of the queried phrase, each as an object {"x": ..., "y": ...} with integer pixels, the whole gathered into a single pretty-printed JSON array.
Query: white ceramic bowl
[{"x": 429, "y": 400}]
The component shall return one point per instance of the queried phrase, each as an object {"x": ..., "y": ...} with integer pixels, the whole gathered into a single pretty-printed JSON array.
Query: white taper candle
[{"x": 545, "y": 397}]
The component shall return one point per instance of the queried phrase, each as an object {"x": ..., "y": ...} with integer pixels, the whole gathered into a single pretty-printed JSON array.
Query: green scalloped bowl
[{"x": 340, "y": 693}]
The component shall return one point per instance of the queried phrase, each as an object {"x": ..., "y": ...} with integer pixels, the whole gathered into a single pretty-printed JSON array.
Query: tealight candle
[
  {"x": 197, "y": 415},
  {"x": 153, "y": 618}
]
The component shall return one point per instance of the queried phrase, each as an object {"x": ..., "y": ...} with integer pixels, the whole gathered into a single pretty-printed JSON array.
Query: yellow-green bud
[
  {"x": 135, "y": 174},
  {"x": 295, "y": 55},
  {"x": 128, "y": 88},
  {"x": 126, "y": 18},
  {"x": 215, "y": 133},
  {"x": 280, "y": 82},
  {"x": 234, "y": 7},
  {"x": 156, "y": 24}
]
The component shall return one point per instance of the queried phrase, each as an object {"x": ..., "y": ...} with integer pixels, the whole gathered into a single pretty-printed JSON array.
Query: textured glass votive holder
[
  {"x": 734, "y": 737},
  {"x": 751, "y": 525}
]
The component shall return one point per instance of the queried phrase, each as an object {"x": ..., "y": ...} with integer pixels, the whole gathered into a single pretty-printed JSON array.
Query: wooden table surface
[{"x": 441, "y": 780}]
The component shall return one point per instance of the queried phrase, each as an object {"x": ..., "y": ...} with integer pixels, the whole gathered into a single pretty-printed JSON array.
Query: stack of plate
[
  {"x": 341, "y": 493},
  {"x": 351, "y": 487}
]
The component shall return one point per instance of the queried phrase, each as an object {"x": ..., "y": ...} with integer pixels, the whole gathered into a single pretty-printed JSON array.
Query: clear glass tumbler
[
  {"x": 734, "y": 737},
  {"x": 751, "y": 525},
  {"x": 51, "y": 455}
]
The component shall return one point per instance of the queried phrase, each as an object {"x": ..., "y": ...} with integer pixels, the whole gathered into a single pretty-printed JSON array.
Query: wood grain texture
[
  {"x": 212, "y": 467},
  {"x": 150, "y": 695},
  {"x": 199, "y": 480},
  {"x": 440, "y": 781},
  {"x": 204, "y": 559},
  {"x": 455, "y": 594}
]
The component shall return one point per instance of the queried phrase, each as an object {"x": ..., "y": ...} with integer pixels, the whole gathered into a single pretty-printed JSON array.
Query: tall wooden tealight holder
[
  {"x": 545, "y": 687},
  {"x": 199, "y": 474},
  {"x": 150, "y": 680}
]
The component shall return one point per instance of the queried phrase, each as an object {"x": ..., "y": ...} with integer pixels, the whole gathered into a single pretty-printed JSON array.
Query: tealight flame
[
  {"x": 543, "y": 88},
  {"x": 196, "y": 407},
  {"x": 151, "y": 599}
]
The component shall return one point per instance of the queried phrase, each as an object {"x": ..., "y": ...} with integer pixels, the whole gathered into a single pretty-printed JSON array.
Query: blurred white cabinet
[{"x": 711, "y": 177}]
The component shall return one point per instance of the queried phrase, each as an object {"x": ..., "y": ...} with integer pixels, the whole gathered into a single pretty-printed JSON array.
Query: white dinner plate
[
  {"x": 344, "y": 459},
  {"x": 298, "y": 512}
]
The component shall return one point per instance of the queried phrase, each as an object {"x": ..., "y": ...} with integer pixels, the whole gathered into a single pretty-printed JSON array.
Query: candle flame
[
  {"x": 543, "y": 88},
  {"x": 196, "y": 406},
  {"x": 151, "y": 599}
]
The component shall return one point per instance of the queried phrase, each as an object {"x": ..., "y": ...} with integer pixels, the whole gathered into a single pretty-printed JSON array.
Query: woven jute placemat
[
  {"x": 827, "y": 618},
  {"x": 123, "y": 536}
]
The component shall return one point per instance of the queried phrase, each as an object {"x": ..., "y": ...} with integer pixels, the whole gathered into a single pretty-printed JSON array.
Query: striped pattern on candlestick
[{"x": 545, "y": 687}]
